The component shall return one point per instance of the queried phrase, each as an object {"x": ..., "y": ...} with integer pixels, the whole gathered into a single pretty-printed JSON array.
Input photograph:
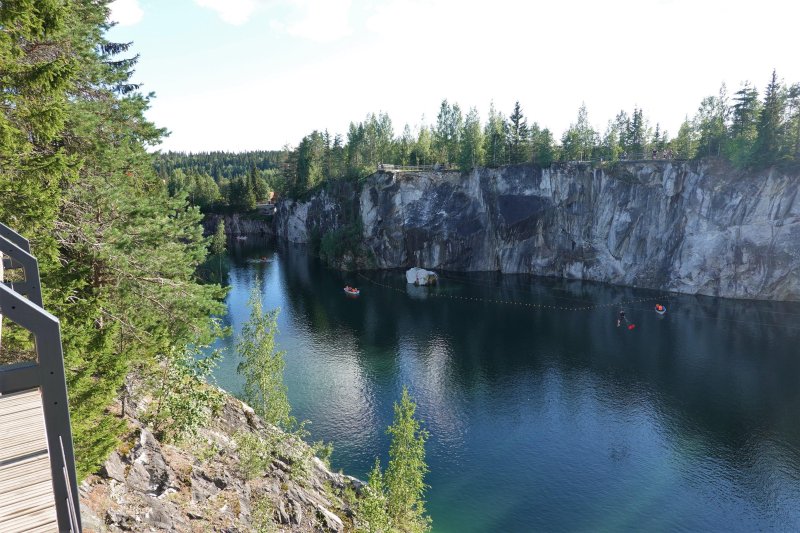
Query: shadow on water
[{"x": 545, "y": 418}]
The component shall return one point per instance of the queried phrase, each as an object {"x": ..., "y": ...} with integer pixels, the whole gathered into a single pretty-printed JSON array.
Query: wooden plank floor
[{"x": 26, "y": 489}]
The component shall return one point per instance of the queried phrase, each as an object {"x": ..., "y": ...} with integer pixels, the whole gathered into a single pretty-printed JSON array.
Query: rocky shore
[{"x": 203, "y": 485}]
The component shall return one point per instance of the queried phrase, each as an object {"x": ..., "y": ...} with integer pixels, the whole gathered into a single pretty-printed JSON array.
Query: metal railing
[
  {"x": 412, "y": 168},
  {"x": 21, "y": 303}
]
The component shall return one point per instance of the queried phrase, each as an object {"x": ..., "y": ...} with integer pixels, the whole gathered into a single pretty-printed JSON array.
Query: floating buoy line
[
  {"x": 660, "y": 297},
  {"x": 663, "y": 297}
]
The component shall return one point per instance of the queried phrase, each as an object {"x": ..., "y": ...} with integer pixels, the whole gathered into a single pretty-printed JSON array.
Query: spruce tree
[
  {"x": 517, "y": 136},
  {"x": 768, "y": 146}
]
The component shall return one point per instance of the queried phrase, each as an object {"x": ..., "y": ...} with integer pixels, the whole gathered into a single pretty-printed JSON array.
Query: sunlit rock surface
[
  {"x": 420, "y": 276},
  {"x": 696, "y": 227}
]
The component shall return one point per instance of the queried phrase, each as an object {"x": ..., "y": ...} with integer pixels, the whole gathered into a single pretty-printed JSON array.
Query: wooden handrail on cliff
[{"x": 38, "y": 484}]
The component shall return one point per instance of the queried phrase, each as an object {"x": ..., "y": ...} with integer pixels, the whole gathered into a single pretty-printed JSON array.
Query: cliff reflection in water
[{"x": 546, "y": 418}]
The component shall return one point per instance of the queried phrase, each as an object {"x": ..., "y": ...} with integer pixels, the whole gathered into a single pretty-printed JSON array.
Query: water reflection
[{"x": 543, "y": 418}]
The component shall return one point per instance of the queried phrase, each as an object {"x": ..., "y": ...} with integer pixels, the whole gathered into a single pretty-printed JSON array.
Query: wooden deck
[{"x": 26, "y": 488}]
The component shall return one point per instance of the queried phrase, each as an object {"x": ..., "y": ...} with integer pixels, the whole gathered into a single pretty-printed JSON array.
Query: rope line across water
[{"x": 525, "y": 304}]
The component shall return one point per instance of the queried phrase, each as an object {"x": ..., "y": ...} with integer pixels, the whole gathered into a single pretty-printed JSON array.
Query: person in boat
[
  {"x": 660, "y": 309},
  {"x": 621, "y": 318}
]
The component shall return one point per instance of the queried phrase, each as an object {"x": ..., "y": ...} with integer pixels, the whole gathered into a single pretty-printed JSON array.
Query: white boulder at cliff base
[{"x": 420, "y": 276}]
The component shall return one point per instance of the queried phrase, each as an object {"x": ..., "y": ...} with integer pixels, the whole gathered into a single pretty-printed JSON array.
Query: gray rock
[
  {"x": 120, "y": 519},
  {"x": 283, "y": 516},
  {"x": 202, "y": 488},
  {"x": 150, "y": 472},
  {"x": 114, "y": 468},
  {"x": 332, "y": 522},
  {"x": 420, "y": 276},
  {"x": 163, "y": 516},
  {"x": 297, "y": 513},
  {"x": 691, "y": 227}
]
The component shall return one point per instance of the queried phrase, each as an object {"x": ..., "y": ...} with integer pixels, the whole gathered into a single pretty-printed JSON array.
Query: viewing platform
[{"x": 38, "y": 485}]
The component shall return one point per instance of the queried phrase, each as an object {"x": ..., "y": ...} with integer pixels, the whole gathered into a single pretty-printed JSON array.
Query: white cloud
[
  {"x": 316, "y": 20},
  {"x": 320, "y": 20},
  {"x": 235, "y": 12},
  {"x": 125, "y": 12}
]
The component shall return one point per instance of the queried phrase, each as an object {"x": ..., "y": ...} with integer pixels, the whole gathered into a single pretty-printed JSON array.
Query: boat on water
[
  {"x": 352, "y": 291},
  {"x": 661, "y": 309}
]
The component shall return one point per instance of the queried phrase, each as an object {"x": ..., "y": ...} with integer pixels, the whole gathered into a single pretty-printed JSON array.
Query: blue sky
[{"x": 258, "y": 74}]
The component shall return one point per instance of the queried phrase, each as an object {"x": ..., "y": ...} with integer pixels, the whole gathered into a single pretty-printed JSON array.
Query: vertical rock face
[{"x": 687, "y": 227}]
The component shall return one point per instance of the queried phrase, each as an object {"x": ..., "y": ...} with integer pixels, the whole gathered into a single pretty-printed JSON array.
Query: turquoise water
[{"x": 544, "y": 419}]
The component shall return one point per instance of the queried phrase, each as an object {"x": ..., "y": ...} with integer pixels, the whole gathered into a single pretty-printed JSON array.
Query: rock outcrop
[
  {"x": 691, "y": 227},
  {"x": 152, "y": 486}
]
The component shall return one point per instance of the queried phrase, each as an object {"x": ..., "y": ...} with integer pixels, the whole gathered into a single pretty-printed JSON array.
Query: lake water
[{"x": 545, "y": 418}]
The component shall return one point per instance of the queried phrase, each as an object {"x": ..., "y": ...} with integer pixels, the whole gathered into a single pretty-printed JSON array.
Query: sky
[{"x": 238, "y": 75}]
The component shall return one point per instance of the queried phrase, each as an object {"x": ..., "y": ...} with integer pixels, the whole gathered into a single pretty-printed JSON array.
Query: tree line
[
  {"x": 221, "y": 181},
  {"x": 748, "y": 130}
]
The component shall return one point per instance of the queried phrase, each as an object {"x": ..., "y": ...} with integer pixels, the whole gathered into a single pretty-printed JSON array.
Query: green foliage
[
  {"x": 117, "y": 253},
  {"x": 262, "y": 365},
  {"x": 394, "y": 500},
  {"x": 218, "y": 241},
  {"x": 447, "y": 134},
  {"x": 579, "y": 140},
  {"x": 472, "y": 150},
  {"x": 338, "y": 243},
  {"x": 769, "y": 145},
  {"x": 711, "y": 124},
  {"x": 372, "y": 514},
  {"x": 405, "y": 475},
  {"x": 543, "y": 150},
  {"x": 185, "y": 402},
  {"x": 517, "y": 136},
  {"x": 495, "y": 138},
  {"x": 262, "y": 514},
  {"x": 323, "y": 450},
  {"x": 255, "y": 453}
]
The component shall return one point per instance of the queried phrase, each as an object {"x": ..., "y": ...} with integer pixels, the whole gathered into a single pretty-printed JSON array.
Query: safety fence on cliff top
[{"x": 641, "y": 157}]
